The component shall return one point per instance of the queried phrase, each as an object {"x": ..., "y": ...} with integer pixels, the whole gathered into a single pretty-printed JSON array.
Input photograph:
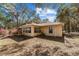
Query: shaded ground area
[
  {"x": 58, "y": 39},
  {"x": 19, "y": 38}
]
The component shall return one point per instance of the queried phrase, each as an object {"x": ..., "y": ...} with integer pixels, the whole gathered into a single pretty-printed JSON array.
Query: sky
[{"x": 44, "y": 13}]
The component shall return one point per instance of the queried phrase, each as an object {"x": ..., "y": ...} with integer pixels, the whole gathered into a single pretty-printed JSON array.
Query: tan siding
[{"x": 57, "y": 30}]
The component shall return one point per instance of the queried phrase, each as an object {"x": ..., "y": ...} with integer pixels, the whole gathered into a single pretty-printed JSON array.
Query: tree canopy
[{"x": 69, "y": 15}]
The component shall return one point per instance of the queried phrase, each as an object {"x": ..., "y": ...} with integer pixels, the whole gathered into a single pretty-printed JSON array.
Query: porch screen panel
[
  {"x": 27, "y": 30},
  {"x": 37, "y": 29}
]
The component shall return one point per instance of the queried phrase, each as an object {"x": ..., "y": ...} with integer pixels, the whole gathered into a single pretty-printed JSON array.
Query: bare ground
[{"x": 39, "y": 46}]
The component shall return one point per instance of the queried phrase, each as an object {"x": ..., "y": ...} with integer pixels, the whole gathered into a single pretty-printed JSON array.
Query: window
[
  {"x": 37, "y": 30},
  {"x": 27, "y": 30},
  {"x": 50, "y": 29},
  {"x": 19, "y": 30}
]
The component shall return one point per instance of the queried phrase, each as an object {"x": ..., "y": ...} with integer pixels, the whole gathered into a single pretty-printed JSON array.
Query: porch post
[
  {"x": 32, "y": 30},
  {"x": 22, "y": 31}
]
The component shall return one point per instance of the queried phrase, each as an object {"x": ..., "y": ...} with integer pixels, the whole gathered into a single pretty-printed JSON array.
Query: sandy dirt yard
[
  {"x": 6, "y": 41},
  {"x": 37, "y": 46},
  {"x": 43, "y": 42}
]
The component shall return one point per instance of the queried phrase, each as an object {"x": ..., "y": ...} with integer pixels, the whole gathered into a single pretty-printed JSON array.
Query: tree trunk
[
  {"x": 16, "y": 16},
  {"x": 69, "y": 25}
]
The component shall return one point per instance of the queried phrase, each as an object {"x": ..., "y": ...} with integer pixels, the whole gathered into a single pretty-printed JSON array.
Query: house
[{"x": 49, "y": 29}]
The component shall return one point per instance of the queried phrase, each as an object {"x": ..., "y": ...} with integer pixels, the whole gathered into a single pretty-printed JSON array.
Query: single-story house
[{"x": 49, "y": 29}]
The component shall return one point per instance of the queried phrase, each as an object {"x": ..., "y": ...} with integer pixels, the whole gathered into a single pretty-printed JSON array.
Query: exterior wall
[{"x": 57, "y": 30}]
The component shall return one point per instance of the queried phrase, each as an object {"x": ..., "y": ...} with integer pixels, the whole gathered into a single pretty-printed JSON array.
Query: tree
[
  {"x": 18, "y": 15},
  {"x": 69, "y": 15},
  {"x": 45, "y": 20}
]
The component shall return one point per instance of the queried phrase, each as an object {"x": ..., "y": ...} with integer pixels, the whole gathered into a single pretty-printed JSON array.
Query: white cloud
[
  {"x": 51, "y": 11},
  {"x": 38, "y": 10},
  {"x": 46, "y": 13},
  {"x": 51, "y": 18}
]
